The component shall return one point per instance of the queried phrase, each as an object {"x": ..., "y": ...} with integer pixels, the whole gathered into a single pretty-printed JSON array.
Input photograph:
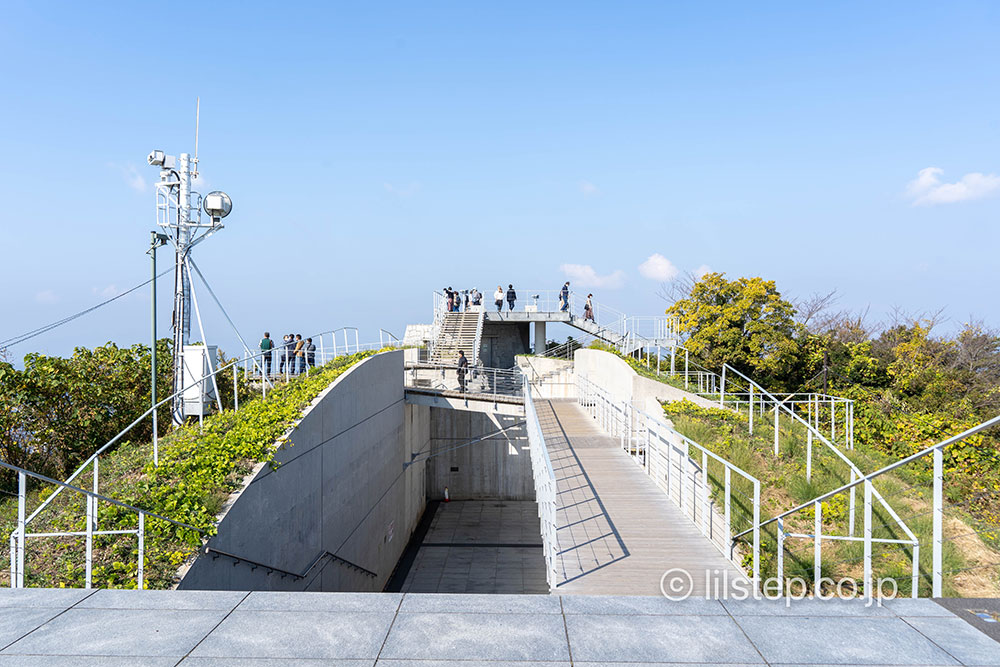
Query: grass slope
[{"x": 198, "y": 470}]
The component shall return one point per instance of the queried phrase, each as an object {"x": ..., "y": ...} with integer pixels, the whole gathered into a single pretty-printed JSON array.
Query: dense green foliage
[
  {"x": 57, "y": 411},
  {"x": 198, "y": 469},
  {"x": 743, "y": 322},
  {"x": 912, "y": 388}
]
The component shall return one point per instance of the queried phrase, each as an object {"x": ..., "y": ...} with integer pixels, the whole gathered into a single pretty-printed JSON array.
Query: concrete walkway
[
  {"x": 618, "y": 532},
  {"x": 480, "y": 546},
  {"x": 209, "y": 628}
]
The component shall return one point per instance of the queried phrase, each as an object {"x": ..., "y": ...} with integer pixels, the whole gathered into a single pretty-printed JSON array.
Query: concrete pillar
[{"x": 539, "y": 338}]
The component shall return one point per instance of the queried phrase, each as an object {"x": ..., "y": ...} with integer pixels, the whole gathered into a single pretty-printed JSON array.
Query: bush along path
[{"x": 198, "y": 470}]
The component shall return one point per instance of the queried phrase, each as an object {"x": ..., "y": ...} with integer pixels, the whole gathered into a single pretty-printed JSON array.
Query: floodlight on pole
[{"x": 178, "y": 211}]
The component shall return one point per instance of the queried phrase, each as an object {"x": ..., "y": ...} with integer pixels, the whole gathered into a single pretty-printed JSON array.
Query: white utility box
[{"x": 199, "y": 361}]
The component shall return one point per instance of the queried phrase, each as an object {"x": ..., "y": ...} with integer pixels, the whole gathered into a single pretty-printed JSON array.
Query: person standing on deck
[
  {"x": 300, "y": 354},
  {"x": 564, "y": 297},
  {"x": 310, "y": 353},
  {"x": 498, "y": 298},
  {"x": 266, "y": 345},
  {"x": 511, "y": 296},
  {"x": 283, "y": 354},
  {"x": 463, "y": 366}
]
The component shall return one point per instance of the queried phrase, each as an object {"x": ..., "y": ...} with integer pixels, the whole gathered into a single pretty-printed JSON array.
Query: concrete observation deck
[{"x": 208, "y": 628}]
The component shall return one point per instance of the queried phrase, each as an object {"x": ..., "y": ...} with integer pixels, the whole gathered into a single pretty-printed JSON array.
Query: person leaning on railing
[{"x": 310, "y": 353}]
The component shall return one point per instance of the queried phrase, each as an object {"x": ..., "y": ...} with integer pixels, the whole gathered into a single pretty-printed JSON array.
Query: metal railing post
[
  {"x": 22, "y": 501},
  {"x": 750, "y": 411},
  {"x": 809, "y": 457},
  {"x": 817, "y": 548},
  {"x": 938, "y": 513},
  {"x": 777, "y": 430},
  {"x": 726, "y": 515},
  {"x": 705, "y": 502},
  {"x": 722, "y": 392},
  {"x": 140, "y": 567},
  {"x": 236, "y": 390},
  {"x": 756, "y": 537},
  {"x": 686, "y": 373},
  {"x": 89, "y": 542},
  {"x": 780, "y": 555},
  {"x": 868, "y": 539},
  {"x": 915, "y": 577},
  {"x": 850, "y": 509}
]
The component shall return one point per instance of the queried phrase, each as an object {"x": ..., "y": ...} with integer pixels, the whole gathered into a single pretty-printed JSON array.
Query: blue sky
[{"x": 377, "y": 151}]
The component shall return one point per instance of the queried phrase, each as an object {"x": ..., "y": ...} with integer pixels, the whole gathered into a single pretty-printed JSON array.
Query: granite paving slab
[
  {"x": 297, "y": 634},
  {"x": 119, "y": 632},
  {"x": 435, "y": 636},
  {"x": 841, "y": 640},
  {"x": 958, "y": 638},
  {"x": 598, "y": 638},
  {"x": 15, "y": 624}
]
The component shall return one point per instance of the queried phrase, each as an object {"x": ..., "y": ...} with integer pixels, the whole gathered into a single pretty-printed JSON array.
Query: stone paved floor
[
  {"x": 488, "y": 546},
  {"x": 77, "y": 627}
]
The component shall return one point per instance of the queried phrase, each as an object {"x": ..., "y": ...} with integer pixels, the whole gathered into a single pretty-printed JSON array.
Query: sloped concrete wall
[{"x": 339, "y": 485}]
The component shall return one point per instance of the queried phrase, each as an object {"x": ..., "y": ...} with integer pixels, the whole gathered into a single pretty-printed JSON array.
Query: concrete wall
[
  {"x": 340, "y": 486},
  {"x": 498, "y": 468},
  {"x": 624, "y": 384},
  {"x": 551, "y": 378},
  {"x": 502, "y": 342}
]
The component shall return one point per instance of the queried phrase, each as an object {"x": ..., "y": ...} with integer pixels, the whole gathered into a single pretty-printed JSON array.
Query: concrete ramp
[{"x": 618, "y": 533}]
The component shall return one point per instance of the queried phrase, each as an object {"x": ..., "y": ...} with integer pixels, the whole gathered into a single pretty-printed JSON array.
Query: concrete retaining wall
[
  {"x": 498, "y": 468},
  {"x": 624, "y": 384},
  {"x": 340, "y": 486}
]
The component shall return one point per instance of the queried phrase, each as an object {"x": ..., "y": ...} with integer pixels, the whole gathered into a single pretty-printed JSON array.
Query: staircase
[{"x": 459, "y": 331}]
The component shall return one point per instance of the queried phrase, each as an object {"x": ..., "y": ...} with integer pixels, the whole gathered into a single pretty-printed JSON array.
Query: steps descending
[{"x": 459, "y": 331}]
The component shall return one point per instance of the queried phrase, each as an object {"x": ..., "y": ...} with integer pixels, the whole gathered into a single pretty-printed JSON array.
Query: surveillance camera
[{"x": 155, "y": 158}]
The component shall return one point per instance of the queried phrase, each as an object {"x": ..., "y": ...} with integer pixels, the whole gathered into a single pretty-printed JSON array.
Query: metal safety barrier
[
  {"x": 545, "y": 488},
  {"x": 681, "y": 468}
]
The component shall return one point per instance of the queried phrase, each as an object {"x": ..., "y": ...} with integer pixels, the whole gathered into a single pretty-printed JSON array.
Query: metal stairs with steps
[{"x": 459, "y": 331}]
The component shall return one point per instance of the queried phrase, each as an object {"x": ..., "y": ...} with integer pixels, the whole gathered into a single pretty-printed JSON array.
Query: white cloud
[
  {"x": 589, "y": 189},
  {"x": 583, "y": 275},
  {"x": 927, "y": 189},
  {"x": 407, "y": 190},
  {"x": 46, "y": 296},
  {"x": 132, "y": 176},
  {"x": 702, "y": 271},
  {"x": 108, "y": 291},
  {"x": 657, "y": 267}
]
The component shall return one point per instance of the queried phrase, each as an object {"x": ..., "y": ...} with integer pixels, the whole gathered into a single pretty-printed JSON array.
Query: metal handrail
[
  {"x": 546, "y": 488},
  {"x": 476, "y": 380},
  {"x": 19, "y": 537},
  {"x": 937, "y": 509},
  {"x": 636, "y": 429},
  {"x": 215, "y": 553}
]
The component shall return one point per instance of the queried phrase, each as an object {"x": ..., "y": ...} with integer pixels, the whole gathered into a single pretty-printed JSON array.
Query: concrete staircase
[{"x": 459, "y": 331}]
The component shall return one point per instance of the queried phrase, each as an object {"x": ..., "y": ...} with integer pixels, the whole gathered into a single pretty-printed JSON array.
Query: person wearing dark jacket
[
  {"x": 511, "y": 296},
  {"x": 310, "y": 353},
  {"x": 463, "y": 366},
  {"x": 564, "y": 297}
]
